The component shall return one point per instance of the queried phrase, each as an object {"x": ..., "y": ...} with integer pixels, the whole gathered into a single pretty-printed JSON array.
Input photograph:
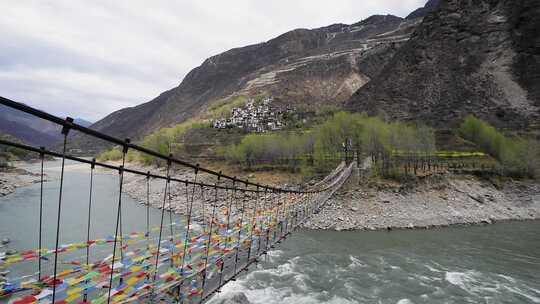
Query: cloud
[{"x": 87, "y": 59}]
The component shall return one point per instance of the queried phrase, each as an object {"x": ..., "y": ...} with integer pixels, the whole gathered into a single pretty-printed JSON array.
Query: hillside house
[{"x": 257, "y": 118}]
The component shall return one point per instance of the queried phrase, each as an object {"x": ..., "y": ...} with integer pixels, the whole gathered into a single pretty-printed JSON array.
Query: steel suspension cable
[
  {"x": 290, "y": 211},
  {"x": 85, "y": 295},
  {"x": 186, "y": 188},
  {"x": 213, "y": 220},
  {"x": 295, "y": 218},
  {"x": 204, "y": 232},
  {"x": 279, "y": 213},
  {"x": 187, "y": 203},
  {"x": 209, "y": 244},
  {"x": 223, "y": 251},
  {"x": 229, "y": 212},
  {"x": 147, "y": 234},
  {"x": 261, "y": 221},
  {"x": 268, "y": 223},
  {"x": 121, "y": 238},
  {"x": 240, "y": 226},
  {"x": 65, "y": 132},
  {"x": 171, "y": 226},
  {"x": 148, "y": 205},
  {"x": 161, "y": 222},
  {"x": 287, "y": 216},
  {"x": 118, "y": 220},
  {"x": 203, "y": 207},
  {"x": 281, "y": 216},
  {"x": 287, "y": 213},
  {"x": 40, "y": 244},
  {"x": 253, "y": 224},
  {"x": 276, "y": 217},
  {"x": 187, "y": 231}
]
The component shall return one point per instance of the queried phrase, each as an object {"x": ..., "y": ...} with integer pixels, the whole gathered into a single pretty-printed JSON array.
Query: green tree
[{"x": 516, "y": 155}]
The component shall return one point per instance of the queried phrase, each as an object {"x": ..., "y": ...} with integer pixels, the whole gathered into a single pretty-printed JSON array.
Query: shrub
[
  {"x": 277, "y": 149},
  {"x": 517, "y": 156},
  {"x": 111, "y": 155},
  {"x": 168, "y": 140}
]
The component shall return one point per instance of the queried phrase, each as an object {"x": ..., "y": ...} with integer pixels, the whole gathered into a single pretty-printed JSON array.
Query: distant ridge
[{"x": 30, "y": 129}]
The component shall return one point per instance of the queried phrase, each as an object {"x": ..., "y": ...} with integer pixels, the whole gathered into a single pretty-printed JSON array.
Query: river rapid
[{"x": 484, "y": 264}]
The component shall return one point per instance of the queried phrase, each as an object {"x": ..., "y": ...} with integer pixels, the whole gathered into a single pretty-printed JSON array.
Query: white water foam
[
  {"x": 275, "y": 253},
  {"x": 432, "y": 269},
  {"x": 405, "y": 301},
  {"x": 356, "y": 263},
  {"x": 298, "y": 292},
  {"x": 471, "y": 282},
  {"x": 509, "y": 279},
  {"x": 461, "y": 279},
  {"x": 272, "y": 295},
  {"x": 476, "y": 283},
  {"x": 522, "y": 293}
]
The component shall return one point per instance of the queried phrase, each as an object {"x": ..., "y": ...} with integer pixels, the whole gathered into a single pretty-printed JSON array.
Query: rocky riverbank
[
  {"x": 439, "y": 200},
  {"x": 13, "y": 178},
  {"x": 436, "y": 201}
]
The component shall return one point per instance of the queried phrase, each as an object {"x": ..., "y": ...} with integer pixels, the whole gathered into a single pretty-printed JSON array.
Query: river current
[{"x": 485, "y": 264}]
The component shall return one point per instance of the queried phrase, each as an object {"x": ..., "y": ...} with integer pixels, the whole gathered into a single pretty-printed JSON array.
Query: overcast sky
[{"x": 89, "y": 58}]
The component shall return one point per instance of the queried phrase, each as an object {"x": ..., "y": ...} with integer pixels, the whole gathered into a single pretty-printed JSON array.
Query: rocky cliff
[{"x": 467, "y": 57}]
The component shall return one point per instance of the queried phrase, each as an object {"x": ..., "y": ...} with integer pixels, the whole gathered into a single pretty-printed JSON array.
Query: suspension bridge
[{"x": 182, "y": 259}]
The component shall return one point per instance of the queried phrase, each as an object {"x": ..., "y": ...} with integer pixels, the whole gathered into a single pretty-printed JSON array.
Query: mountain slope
[
  {"x": 319, "y": 66},
  {"x": 467, "y": 57},
  {"x": 27, "y": 128},
  {"x": 30, "y": 129}
]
